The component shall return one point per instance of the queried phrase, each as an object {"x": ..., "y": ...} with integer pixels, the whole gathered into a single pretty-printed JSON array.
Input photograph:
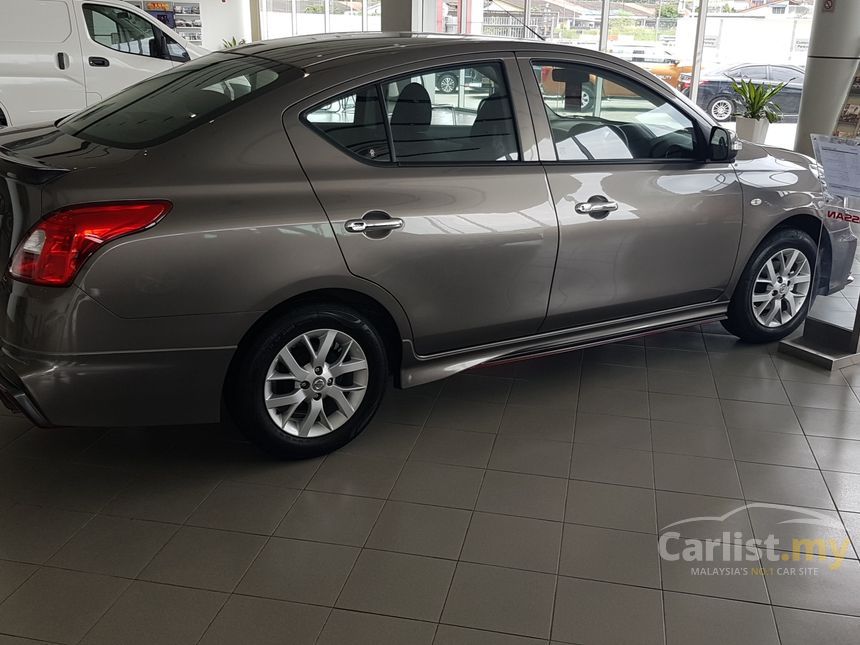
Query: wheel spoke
[
  {"x": 288, "y": 414},
  {"x": 339, "y": 397},
  {"x": 325, "y": 347},
  {"x": 792, "y": 304},
  {"x": 791, "y": 262},
  {"x": 772, "y": 314},
  {"x": 346, "y": 368},
  {"x": 801, "y": 278},
  {"x": 292, "y": 364},
  {"x": 311, "y": 417},
  {"x": 279, "y": 401},
  {"x": 771, "y": 270},
  {"x": 762, "y": 297}
]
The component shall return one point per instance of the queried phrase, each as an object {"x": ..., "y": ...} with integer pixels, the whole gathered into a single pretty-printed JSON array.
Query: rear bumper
[{"x": 119, "y": 389}]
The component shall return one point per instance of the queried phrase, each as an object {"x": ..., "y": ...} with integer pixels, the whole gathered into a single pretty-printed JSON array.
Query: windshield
[{"x": 173, "y": 102}]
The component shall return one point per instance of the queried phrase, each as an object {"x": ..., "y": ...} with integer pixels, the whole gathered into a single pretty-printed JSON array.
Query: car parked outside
[
  {"x": 284, "y": 226},
  {"x": 719, "y": 101}
]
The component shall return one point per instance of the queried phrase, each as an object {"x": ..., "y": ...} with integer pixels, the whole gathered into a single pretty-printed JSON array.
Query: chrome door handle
[
  {"x": 590, "y": 208},
  {"x": 368, "y": 225}
]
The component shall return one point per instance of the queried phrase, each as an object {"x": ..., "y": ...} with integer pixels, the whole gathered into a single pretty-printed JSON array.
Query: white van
[{"x": 59, "y": 56}]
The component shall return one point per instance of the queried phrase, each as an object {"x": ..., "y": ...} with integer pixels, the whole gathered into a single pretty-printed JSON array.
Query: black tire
[
  {"x": 741, "y": 319},
  {"x": 587, "y": 99},
  {"x": 245, "y": 396},
  {"x": 721, "y": 117},
  {"x": 447, "y": 83}
]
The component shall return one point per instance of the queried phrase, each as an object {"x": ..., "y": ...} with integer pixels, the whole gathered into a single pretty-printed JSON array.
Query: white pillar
[
  {"x": 834, "y": 51},
  {"x": 224, "y": 20}
]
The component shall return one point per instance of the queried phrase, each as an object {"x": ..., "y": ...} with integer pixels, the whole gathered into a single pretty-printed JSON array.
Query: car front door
[
  {"x": 645, "y": 224},
  {"x": 437, "y": 196},
  {"x": 120, "y": 47}
]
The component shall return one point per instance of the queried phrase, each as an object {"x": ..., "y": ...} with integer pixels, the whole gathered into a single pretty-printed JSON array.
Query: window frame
[
  {"x": 157, "y": 33},
  {"x": 417, "y": 71},
  {"x": 527, "y": 62}
]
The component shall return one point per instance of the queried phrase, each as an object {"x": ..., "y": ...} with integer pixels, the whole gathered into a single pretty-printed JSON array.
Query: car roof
[{"x": 308, "y": 51}]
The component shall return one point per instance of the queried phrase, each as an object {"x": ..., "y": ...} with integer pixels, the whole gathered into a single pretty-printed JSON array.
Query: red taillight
[{"x": 55, "y": 249}]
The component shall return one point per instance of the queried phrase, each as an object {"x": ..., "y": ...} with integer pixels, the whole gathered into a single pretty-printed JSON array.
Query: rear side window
[
  {"x": 449, "y": 116},
  {"x": 175, "y": 101}
]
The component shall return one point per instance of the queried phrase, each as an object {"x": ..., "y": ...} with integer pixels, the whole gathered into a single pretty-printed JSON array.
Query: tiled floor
[{"x": 514, "y": 505}]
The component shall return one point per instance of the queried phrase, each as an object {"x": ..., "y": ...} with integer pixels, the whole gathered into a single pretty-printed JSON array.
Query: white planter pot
[{"x": 754, "y": 130}]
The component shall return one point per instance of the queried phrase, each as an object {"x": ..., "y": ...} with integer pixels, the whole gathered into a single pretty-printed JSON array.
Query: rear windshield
[{"x": 175, "y": 101}]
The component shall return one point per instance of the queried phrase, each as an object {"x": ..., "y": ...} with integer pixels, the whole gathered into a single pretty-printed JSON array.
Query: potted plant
[{"x": 757, "y": 108}]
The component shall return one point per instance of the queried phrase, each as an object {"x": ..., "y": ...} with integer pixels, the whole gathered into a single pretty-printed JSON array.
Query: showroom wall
[{"x": 224, "y": 20}]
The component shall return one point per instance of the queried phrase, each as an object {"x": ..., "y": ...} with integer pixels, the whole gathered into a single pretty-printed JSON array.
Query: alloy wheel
[
  {"x": 781, "y": 288},
  {"x": 316, "y": 383},
  {"x": 722, "y": 109},
  {"x": 447, "y": 84}
]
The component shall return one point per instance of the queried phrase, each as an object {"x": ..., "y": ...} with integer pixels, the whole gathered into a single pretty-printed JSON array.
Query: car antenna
[{"x": 520, "y": 20}]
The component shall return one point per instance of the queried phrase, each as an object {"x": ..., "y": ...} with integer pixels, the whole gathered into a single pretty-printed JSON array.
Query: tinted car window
[
  {"x": 355, "y": 123},
  {"x": 121, "y": 30},
  {"x": 785, "y": 75},
  {"x": 175, "y": 101},
  {"x": 749, "y": 71},
  {"x": 599, "y": 115},
  {"x": 459, "y": 114}
]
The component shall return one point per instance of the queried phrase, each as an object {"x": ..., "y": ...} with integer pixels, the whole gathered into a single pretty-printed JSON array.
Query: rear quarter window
[{"x": 178, "y": 100}]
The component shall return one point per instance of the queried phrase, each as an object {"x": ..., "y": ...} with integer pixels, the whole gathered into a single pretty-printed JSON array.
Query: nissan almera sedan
[{"x": 284, "y": 226}]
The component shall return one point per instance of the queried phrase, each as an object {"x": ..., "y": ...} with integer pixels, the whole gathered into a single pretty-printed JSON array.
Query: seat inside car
[{"x": 493, "y": 129}]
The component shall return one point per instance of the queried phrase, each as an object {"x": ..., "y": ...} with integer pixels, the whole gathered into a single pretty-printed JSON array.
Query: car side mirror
[{"x": 723, "y": 145}]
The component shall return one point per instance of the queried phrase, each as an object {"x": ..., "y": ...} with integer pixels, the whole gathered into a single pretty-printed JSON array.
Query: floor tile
[
  {"x": 308, "y": 572},
  {"x": 498, "y": 599},
  {"x": 685, "y": 383},
  {"x": 677, "y": 360},
  {"x": 552, "y": 424},
  {"x": 529, "y": 455},
  {"x": 265, "y": 622},
  {"x": 451, "y": 635},
  {"x": 744, "y": 388},
  {"x": 740, "y": 364},
  {"x": 514, "y": 542},
  {"x": 836, "y": 454},
  {"x": 524, "y": 495},
  {"x": 477, "y": 387},
  {"x": 420, "y": 529},
  {"x": 12, "y": 428},
  {"x": 611, "y": 506},
  {"x": 793, "y": 369},
  {"x": 161, "y": 498},
  {"x": 383, "y": 440},
  {"x": 700, "y": 620},
  {"x": 612, "y": 430},
  {"x": 236, "y": 506},
  {"x": 600, "y": 613},
  {"x": 610, "y": 555},
  {"x": 268, "y": 472},
  {"x": 402, "y": 406},
  {"x": 830, "y": 397},
  {"x": 59, "y": 606},
  {"x": 701, "y": 516},
  {"x": 368, "y": 629},
  {"x": 353, "y": 475},
  {"x": 12, "y": 576},
  {"x": 832, "y": 589},
  {"x": 612, "y": 465},
  {"x": 438, "y": 484},
  {"x": 204, "y": 558},
  {"x": 776, "y": 448},
  {"x": 607, "y": 400},
  {"x": 799, "y": 529},
  {"x": 784, "y": 485},
  {"x": 458, "y": 414},
  {"x": 614, "y": 376},
  {"x": 326, "y": 517},
  {"x": 78, "y": 487},
  {"x": 699, "y": 475},
  {"x": 615, "y": 354},
  {"x": 114, "y": 546},
  {"x": 697, "y": 410},
  {"x": 397, "y": 584},
  {"x": 690, "y": 439},
  {"x": 150, "y": 613},
  {"x": 851, "y": 521},
  {"x": 747, "y": 415},
  {"x": 55, "y": 443},
  {"x": 799, "y": 627},
  {"x": 454, "y": 447},
  {"x": 546, "y": 392},
  {"x": 719, "y": 577},
  {"x": 34, "y": 534},
  {"x": 845, "y": 489},
  {"x": 680, "y": 339}
]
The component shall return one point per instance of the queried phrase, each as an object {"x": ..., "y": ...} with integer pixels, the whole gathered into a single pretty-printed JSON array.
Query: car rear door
[
  {"x": 437, "y": 197},
  {"x": 789, "y": 99},
  {"x": 645, "y": 225}
]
